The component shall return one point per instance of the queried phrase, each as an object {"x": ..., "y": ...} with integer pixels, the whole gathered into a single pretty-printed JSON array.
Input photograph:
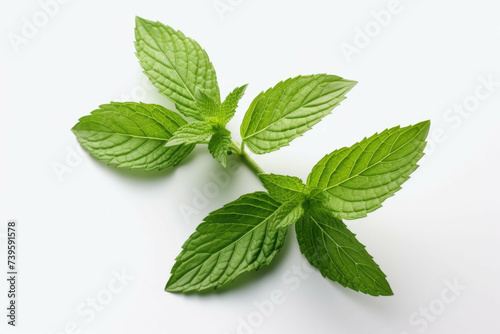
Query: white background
[{"x": 76, "y": 230}]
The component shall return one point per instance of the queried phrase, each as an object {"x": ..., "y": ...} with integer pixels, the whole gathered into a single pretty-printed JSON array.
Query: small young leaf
[
  {"x": 132, "y": 135},
  {"x": 232, "y": 240},
  {"x": 175, "y": 64},
  {"x": 218, "y": 114},
  {"x": 287, "y": 214},
  {"x": 228, "y": 107},
  {"x": 209, "y": 109},
  {"x": 329, "y": 246},
  {"x": 219, "y": 145},
  {"x": 191, "y": 133},
  {"x": 283, "y": 188},
  {"x": 289, "y": 109},
  {"x": 356, "y": 180}
]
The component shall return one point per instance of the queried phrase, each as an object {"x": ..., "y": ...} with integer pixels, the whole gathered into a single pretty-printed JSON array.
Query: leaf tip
[
  {"x": 387, "y": 291},
  {"x": 75, "y": 128},
  {"x": 223, "y": 161},
  {"x": 171, "y": 143},
  {"x": 139, "y": 21},
  {"x": 424, "y": 126},
  {"x": 169, "y": 286},
  {"x": 426, "y": 123},
  {"x": 351, "y": 83}
]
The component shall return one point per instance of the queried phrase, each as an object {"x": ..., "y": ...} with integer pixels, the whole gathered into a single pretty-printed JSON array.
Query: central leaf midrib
[
  {"x": 357, "y": 264},
  {"x": 284, "y": 116},
  {"x": 171, "y": 65},
  {"x": 367, "y": 168},
  {"x": 126, "y": 135}
]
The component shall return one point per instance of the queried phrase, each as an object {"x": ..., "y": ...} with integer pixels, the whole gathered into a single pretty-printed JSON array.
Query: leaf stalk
[{"x": 247, "y": 159}]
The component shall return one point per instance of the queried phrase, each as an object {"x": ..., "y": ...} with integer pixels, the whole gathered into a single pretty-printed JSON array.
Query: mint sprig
[{"x": 247, "y": 233}]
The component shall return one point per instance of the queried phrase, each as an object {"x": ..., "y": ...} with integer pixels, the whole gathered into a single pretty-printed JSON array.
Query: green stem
[{"x": 242, "y": 154}]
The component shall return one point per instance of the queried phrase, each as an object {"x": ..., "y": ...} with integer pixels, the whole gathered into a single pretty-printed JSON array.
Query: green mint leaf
[
  {"x": 232, "y": 240},
  {"x": 283, "y": 188},
  {"x": 191, "y": 133},
  {"x": 132, "y": 135},
  {"x": 228, "y": 107},
  {"x": 289, "y": 109},
  {"x": 218, "y": 146},
  {"x": 287, "y": 214},
  {"x": 175, "y": 64},
  {"x": 329, "y": 246},
  {"x": 215, "y": 113},
  {"x": 356, "y": 180},
  {"x": 209, "y": 108}
]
